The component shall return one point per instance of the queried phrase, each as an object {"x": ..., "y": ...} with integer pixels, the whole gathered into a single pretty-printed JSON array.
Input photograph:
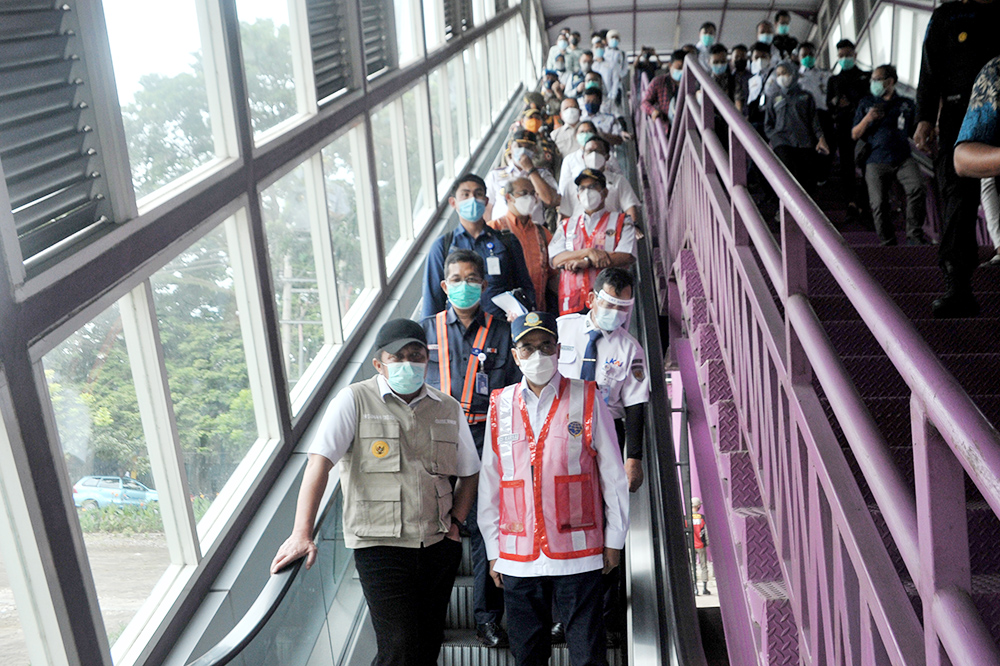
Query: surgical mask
[
  {"x": 560, "y": 67},
  {"x": 464, "y": 295},
  {"x": 595, "y": 160},
  {"x": 590, "y": 199},
  {"x": 523, "y": 205},
  {"x": 607, "y": 319},
  {"x": 766, "y": 38},
  {"x": 584, "y": 67},
  {"x": 759, "y": 65},
  {"x": 846, "y": 63},
  {"x": 599, "y": 53},
  {"x": 570, "y": 115},
  {"x": 532, "y": 124},
  {"x": 719, "y": 69},
  {"x": 539, "y": 368},
  {"x": 785, "y": 81},
  {"x": 707, "y": 40},
  {"x": 877, "y": 88},
  {"x": 591, "y": 107},
  {"x": 406, "y": 378},
  {"x": 676, "y": 74},
  {"x": 520, "y": 151},
  {"x": 808, "y": 61},
  {"x": 471, "y": 209},
  {"x": 562, "y": 44},
  {"x": 783, "y": 28},
  {"x": 583, "y": 137},
  {"x": 613, "y": 43}
]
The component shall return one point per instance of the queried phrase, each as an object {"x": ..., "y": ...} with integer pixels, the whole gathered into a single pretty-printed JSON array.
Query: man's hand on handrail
[{"x": 294, "y": 548}]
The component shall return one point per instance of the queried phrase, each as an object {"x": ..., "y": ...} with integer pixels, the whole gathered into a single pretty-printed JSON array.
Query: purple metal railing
[{"x": 849, "y": 602}]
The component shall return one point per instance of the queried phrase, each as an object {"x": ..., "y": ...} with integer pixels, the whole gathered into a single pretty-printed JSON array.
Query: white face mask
[
  {"x": 590, "y": 199},
  {"x": 524, "y": 205},
  {"x": 759, "y": 64},
  {"x": 539, "y": 368},
  {"x": 584, "y": 67},
  {"x": 570, "y": 115},
  {"x": 595, "y": 160},
  {"x": 785, "y": 81}
]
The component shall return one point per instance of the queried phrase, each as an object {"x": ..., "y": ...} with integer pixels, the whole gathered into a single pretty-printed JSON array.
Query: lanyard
[{"x": 473, "y": 367}]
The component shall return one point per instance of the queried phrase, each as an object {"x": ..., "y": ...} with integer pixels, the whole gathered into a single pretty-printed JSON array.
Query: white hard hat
[{"x": 695, "y": 501}]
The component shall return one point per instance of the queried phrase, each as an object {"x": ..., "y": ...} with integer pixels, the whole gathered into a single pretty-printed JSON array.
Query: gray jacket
[{"x": 790, "y": 117}]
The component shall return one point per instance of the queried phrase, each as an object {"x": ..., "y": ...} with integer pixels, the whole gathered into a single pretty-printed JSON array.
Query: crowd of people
[{"x": 861, "y": 121}]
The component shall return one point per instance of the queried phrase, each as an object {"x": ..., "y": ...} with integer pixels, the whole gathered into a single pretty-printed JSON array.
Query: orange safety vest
[
  {"x": 574, "y": 286},
  {"x": 444, "y": 363},
  {"x": 550, "y": 489}
]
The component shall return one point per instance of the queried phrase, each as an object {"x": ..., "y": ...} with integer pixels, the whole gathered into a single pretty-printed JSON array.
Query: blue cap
[{"x": 534, "y": 321}]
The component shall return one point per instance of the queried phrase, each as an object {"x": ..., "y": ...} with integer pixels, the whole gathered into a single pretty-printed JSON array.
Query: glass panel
[
  {"x": 97, "y": 416},
  {"x": 847, "y": 21},
  {"x": 433, "y": 24},
  {"x": 385, "y": 163},
  {"x": 342, "y": 211},
  {"x": 435, "y": 85},
  {"x": 832, "y": 44},
  {"x": 267, "y": 57},
  {"x": 195, "y": 302},
  {"x": 409, "y": 35},
  {"x": 920, "y": 21},
  {"x": 285, "y": 211},
  {"x": 881, "y": 34},
  {"x": 419, "y": 200},
  {"x": 13, "y": 644},
  {"x": 162, "y": 89},
  {"x": 456, "y": 102},
  {"x": 472, "y": 98},
  {"x": 904, "y": 44}
]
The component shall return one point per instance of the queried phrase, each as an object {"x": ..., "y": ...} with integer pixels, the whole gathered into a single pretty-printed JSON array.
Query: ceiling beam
[{"x": 766, "y": 7}]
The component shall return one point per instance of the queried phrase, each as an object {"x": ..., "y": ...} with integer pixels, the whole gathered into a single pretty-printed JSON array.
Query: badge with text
[{"x": 380, "y": 449}]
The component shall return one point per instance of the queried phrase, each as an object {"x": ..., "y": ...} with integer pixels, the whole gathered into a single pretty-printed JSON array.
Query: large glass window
[
  {"x": 881, "y": 36},
  {"x": 267, "y": 59},
  {"x": 164, "y": 83},
  {"x": 409, "y": 31},
  {"x": 390, "y": 162},
  {"x": 440, "y": 132},
  {"x": 904, "y": 44},
  {"x": 433, "y": 24},
  {"x": 415, "y": 124},
  {"x": 195, "y": 300},
  {"x": 287, "y": 221},
  {"x": 459, "y": 115},
  {"x": 97, "y": 416}
]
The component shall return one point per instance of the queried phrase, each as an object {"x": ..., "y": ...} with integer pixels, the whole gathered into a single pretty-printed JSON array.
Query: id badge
[
  {"x": 482, "y": 384},
  {"x": 493, "y": 265}
]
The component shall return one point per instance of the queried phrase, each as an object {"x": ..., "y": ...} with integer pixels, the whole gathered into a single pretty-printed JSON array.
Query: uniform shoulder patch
[
  {"x": 575, "y": 428},
  {"x": 638, "y": 372}
]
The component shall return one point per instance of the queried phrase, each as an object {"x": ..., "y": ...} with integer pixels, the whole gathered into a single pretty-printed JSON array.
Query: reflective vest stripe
[
  {"x": 470, "y": 372},
  {"x": 444, "y": 355},
  {"x": 574, "y": 286}
]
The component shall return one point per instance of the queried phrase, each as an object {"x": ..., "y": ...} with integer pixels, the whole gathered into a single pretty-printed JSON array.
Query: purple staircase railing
[{"x": 841, "y": 558}]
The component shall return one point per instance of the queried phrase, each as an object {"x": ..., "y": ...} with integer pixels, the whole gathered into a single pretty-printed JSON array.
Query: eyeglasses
[
  {"x": 472, "y": 279},
  {"x": 547, "y": 349}
]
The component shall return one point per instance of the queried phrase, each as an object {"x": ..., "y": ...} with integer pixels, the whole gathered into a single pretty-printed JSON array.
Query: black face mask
[
  {"x": 740, "y": 65},
  {"x": 574, "y": 42}
]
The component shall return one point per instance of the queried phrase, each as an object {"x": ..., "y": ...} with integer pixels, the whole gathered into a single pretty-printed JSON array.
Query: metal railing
[{"x": 832, "y": 557}]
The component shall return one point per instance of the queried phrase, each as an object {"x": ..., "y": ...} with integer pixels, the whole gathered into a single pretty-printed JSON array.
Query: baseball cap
[
  {"x": 397, "y": 333},
  {"x": 533, "y": 321},
  {"x": 596, "y": 174}
]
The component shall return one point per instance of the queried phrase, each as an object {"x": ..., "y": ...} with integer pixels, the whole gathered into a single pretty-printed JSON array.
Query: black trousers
[
  {"x": 958, "y": 253},
  {"x": 408, "y": 590},
  {"x": 801, "y": 162},
  {"x": 578, "y": 599},
  {"x": 487, "y": 598}
]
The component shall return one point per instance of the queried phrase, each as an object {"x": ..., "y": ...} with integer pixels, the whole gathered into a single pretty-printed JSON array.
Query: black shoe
[
  {"x": 705, "y": 589},
  {"x": 955, "y": 305},
  {"x": 615, "y": 638},
  {"x": 558, "y": 633},
  {"x": 918, "y": 239},
  {"x": 492, "y": 635}
]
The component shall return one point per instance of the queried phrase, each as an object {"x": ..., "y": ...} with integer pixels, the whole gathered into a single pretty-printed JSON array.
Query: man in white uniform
[
  {"x": 621, "y": 196},
  {"x": 522, "y": 153}
]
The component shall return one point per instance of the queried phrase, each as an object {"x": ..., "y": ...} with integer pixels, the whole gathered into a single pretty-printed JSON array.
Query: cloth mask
[
  {"x": 471, "y": 209},
  {"x": 539, "y": 368},
  {"x": 595, "y": 160},
  {"x": 464, "y": 295},
  {"x": 766, "y": 38},
  {"x": 613, "y": 43},
  {"x": 570, "y": 115},
  {"x": 607, "y": 319},
  {"x": 846, "y": 63},
  {"x": 590, "y": 199},
  {"x": 583, "y": 137},
  {"x": 783, "y": 28},
  {"x": 877, "y": 88},
  {"x": 707, "y": 40},
  {"x": 523, "y": 205},
  {"x": 532, "y": 124},
  {"x": 598, "y": 53},
  {"x": 591, "y": 107},
  {"x": 719, "y": 69},
  {"x": 808, "y": 61},
  {"x": 676, "y": 74},
  {"x": 785, "y": 81},
  {"x": 406, "y": 378}
]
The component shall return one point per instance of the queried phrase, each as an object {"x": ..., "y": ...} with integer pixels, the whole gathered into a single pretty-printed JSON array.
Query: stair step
[
  {"x": 460, "y": 608},
  {"x": 755, "y": 545},
  {"x": 460, "y": 648},
  {"x": 914, "y": 306},
  {"x": 737, "y": 469},
  {"x": 945, "y": 336},
  {"x": 877, "y": 256},
  {"x": 771, "y": 611},
  {"x": 902, "y": 280},
  {"x": 876, "y": 376}
]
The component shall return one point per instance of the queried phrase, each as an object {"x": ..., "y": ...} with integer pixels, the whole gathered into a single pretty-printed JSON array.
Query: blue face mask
[
  {"x": 877, "y": 88},
  {"x": 583, "y": 137},
  {"x": 608, "y": 320},
  {"x": 783, "y": 28},
  {"x": 613, "y": 43},
  {"x": 598, "y": 53},
  {"x": 592, "y": 107},
  {"x": 846, "y": 63},
  {"x": 464, "y": 295},
  {"x": 808, "y": 61},
  {"x": 471, "y": 209},
  {"x": 405, "y": 378},
  {"x": 676, "y": 74},
  {"x": 767, "y": 38},
  {"x": 707, "y": 40},
  {"x": 719, "y": 69}
]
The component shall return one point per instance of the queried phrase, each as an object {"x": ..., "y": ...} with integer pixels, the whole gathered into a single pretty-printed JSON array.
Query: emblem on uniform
[
  {"x": 962, "y": 36},
  {"x": 575, "y": 428},
  {"x": 609, "y": 232},
  {"x": 638, "y": 372},
  {"x": 532, "y": 319},
  {"x": 380, "y": 449}
]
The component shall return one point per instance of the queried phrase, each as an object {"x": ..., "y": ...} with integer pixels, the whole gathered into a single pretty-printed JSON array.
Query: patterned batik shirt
[{"x": 982, "y": 119}]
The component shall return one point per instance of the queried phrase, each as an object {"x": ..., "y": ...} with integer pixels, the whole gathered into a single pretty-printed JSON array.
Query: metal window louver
[
  {"x": 457, "y": 17},
  {"x": 376, "y": 30},
  {"x": 330, "y": 47}
]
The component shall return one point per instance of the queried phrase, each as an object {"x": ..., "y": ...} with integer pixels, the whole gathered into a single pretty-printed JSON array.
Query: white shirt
[
  {"x": 572, "y": 165},
  {"x": 621, "y": 374},
  {"x": 604, "y": 122},
  {"x": 618, "y": 60},
  {"x": 340, "y": 422},
  {"x": 612, "y": 77},
  {"x": 815, "y": 81},
  {"x": 614, "y": 491},
  {"x": 625, "y": 244},
  {"x": 497, "y": 179},
  {"x": 621, "y": 196},
  {"x": 565, "y": 138}
]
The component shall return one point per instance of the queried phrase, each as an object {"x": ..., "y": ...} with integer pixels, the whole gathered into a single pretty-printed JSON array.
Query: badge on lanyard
[
  {"x": 492, "y": 261},
  {"x": 482, "y": 384}
]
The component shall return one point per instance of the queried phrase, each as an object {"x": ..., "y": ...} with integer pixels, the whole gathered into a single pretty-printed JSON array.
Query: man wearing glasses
[
  {"x": 398, "y": 442},
  {"x": 469, "y": 356},
  {"x": 553, "y": 500}
]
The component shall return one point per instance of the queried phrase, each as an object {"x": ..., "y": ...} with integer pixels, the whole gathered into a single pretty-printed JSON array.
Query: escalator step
[{"x": 462, "y": 649}]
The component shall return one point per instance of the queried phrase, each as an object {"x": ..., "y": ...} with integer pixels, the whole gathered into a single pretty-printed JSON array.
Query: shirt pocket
[
  {"x": 445, "y": 500},
  {"x": 444, "y": 439},
  {"x": 512, "y": 507},
  {"x": 379, "y": 509},
  {"x": 380, "y": 446},
  {"x": 567, "y": 355},
  {"x": 575, "y": 508}
]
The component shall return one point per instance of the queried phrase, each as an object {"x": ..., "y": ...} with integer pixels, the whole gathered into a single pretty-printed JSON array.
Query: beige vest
[{"x": 395, "y": 475}]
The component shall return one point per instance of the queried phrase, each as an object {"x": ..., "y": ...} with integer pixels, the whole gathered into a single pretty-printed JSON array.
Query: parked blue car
[{"x": 97, "y": 492}]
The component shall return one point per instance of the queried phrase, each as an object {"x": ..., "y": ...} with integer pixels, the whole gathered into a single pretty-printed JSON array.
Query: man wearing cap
[
  {"x": 586, "y": 243},
  {"x": 469, "y": 356},
  {"x": 553, "y": 500},
  {"x": 621, "y": 196},
  {"x": 522, "y": 150},
  {"x": 606, "y": 123},
  {"x": 501, "y": 252},
  {"x": 398, "y": 442},
  {"x": 700, "y": 543},
  {"x": 573, "y": 163}
]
